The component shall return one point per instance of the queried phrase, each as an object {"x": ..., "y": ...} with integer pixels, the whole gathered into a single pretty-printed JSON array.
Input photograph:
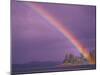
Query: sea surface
[{"x": 38, "y": 67}]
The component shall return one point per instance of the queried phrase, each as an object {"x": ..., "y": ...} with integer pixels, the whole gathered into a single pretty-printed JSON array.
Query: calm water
[{"x": 35, "y": 67}]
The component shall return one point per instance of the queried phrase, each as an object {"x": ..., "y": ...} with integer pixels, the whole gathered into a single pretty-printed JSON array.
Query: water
[{"x": 35, "y": 67}]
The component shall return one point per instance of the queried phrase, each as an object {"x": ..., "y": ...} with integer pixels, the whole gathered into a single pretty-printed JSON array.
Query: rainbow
[{"x": 58, "y": 25}]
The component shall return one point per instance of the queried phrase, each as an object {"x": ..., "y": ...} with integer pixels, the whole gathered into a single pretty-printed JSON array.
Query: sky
[{"x": 35, "y": 39}]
